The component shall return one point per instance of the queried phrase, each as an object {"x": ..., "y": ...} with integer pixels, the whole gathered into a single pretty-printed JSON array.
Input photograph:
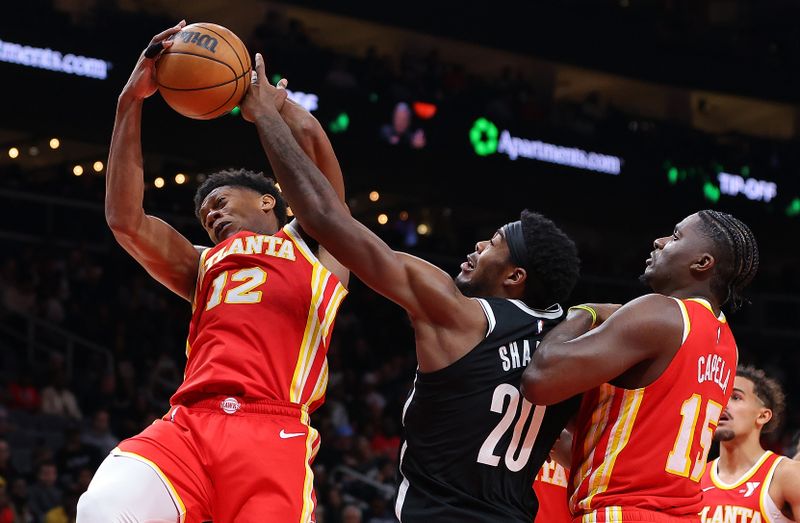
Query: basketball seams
[
  {"x": 204, "y": 26},
  {"x": 235, "y": 77}
]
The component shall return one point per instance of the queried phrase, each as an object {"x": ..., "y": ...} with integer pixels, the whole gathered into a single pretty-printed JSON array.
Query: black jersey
[{"x": 472, "y": 443}]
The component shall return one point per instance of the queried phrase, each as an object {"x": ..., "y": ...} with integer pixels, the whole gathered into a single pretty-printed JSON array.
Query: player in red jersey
[
  {"x": 656, "y": 375},
  {"x": 748, "y": 484},
  {"x": 236, "y": 445},
  {"x": 550, "y": 486}
]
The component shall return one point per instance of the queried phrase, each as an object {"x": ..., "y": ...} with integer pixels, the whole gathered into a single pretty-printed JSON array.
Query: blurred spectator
[
  {"x": 7, "y": 470},
  {"x": 379, "y": 511},
  {"x": 66, "y": 512},
  {"x": 75, "y": 456},
  {"x": 351, "y": 514},
  {"x": 23, "y": 394},
  {"x": 399, "y": 131},
  {"x": 57, "y": 399},
  {"x": 44, "y": 494},
  {"x": 6, "y": 513},
  {"x": 99, "y": 433},
  {"x": 19, "y": 501}
]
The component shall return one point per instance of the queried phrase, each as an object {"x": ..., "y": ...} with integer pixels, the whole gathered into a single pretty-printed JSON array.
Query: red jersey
[
  {"x": 263, "y": 313},
  {"x": 747, "y": 499},
  {"x": 550, "y": 486},
  {"x": 647, "y": 448}
]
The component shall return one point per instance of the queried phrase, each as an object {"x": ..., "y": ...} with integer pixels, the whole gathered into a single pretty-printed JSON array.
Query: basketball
[{"x": 205, "y": 73}]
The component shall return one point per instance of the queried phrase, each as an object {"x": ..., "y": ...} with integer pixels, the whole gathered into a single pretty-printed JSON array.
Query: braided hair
[{"x": 736, "y": 253}]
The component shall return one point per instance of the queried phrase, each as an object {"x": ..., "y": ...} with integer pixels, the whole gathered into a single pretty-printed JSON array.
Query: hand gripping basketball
[
  {"x": 262, "y": 99},
  {"x": 142, "y": 82}
]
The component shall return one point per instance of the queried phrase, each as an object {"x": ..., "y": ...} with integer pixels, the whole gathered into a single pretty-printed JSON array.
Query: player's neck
[{"x": 737, "y": 456}]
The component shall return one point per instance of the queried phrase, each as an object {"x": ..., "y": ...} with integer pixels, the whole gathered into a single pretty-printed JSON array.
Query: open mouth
[
  {"x": 219, "y": 228},
  {"x": 468, "y": 265}
]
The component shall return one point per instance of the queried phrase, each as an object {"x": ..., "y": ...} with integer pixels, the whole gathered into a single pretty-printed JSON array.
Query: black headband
[{"x": 516, "y": 242}]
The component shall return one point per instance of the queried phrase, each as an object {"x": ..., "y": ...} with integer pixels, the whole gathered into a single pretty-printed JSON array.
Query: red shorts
[
  {"x": 632, "y": 515},
  {"x": 230, "y": 460}
]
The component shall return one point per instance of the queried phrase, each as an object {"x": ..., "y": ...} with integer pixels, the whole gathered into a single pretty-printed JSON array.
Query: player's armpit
[
  {"x": 164, "y": 253},
  {"x": 641, "y": 330}
]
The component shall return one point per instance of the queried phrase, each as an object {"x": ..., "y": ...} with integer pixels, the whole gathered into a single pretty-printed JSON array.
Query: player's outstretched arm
[
  {"x": 312, "y": 138},
  {"x": 166, "y": 254},
  {"x": 572, "y": 359},
  {"x": 427, "y": 293}
]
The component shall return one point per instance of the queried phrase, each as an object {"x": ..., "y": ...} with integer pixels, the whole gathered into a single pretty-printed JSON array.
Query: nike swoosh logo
[
  {"x": 286, "y": 435},
  {"x": 707, "y": 489}
]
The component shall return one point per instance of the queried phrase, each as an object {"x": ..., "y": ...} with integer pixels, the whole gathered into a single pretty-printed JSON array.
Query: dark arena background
[{"x": 614, "y": 118}]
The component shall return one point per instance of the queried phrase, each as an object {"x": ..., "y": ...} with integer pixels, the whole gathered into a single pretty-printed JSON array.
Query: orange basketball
[{"x": 205, "y": 73}]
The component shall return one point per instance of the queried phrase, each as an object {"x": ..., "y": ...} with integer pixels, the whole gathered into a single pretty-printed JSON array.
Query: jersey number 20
[{"x": 519, "y": 449}]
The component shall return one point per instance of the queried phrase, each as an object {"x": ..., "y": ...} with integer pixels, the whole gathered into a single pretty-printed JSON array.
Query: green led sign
[{"x": 483, "y": 136}]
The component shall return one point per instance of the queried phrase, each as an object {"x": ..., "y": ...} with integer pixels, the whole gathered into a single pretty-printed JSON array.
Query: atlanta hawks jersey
[
  {"x": 747, "y": 499},
  {"x": 647, "y": 448},
  {"x": 550, "y": 487},
  {"x": 472, "y": 444},
  {"x": 262, "y": 318}
]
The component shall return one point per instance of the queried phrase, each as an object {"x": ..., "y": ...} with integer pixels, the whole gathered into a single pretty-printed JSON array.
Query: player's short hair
[
  {"x": 553, "y": 265},
  {"x": 769, "y": 391},
  {"x": 242, "y": 178},
  {"x": 736, "y": 253}
]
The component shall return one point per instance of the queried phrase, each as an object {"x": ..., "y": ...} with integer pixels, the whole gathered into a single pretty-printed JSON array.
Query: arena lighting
[
  {"x": 77, "y": 170},
  {"x": 383, "y": 219},
  {"x": 711, "y": 192},
  {"x": 374, "y": 196},
  {"x": 33, "y": 150},
  {"x": 46, "y": 58},
  {"x": 403, "y": 215},
  {"x": 13, "y": 152},
  {"x": 423, "y": 229},
  {"x": 424, "y": 110},
  {"x": 794, "y": 208},
  {"x": 486, "y": 140},
  {"x": 752, "y": 189},
  {"x": 309, "y": 101},
  {"x": 97, "y": 166},
  {"x": 55, "y": 143},
  {"x": 159, "y": 182},
  {"x": 340, "y": 123},
  {"x": 180, "y": 178}
]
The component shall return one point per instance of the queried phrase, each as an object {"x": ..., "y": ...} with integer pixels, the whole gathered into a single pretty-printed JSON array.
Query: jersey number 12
[{"x": 519, "y": 449}]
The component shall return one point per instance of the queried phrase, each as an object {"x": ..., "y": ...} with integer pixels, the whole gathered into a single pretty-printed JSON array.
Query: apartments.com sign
[
  {"x": 53, "y": 60},
  {"x": 486, "y": 139}
]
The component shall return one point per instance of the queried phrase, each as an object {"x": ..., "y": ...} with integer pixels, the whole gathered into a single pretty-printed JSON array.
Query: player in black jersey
[{"x": 472, "y": 444}]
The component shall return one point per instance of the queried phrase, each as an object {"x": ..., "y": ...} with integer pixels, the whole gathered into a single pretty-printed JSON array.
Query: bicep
[
  {"x": 165, "y": 254},
  {"x": 636, "y": 332}
]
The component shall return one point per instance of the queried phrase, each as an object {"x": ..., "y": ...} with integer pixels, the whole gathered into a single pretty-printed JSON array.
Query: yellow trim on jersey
[
  {"x": 720, "y": 484},
  {"x": 173, "y": 493},
  {"x": 687, "y": 324},
  {"x": 707, "y": 305},
  {"x": 321, "y": 385},
  {"x": 201, "y": 271},
  {"x": 319, "y": 278},
  {"x": 620, "y": 434},
  {"x": 598, "y": 425},
  {"x": 308, "y": 483},
  {"x": 765, "y": 492},
  {"x": 301, "y": 245}
]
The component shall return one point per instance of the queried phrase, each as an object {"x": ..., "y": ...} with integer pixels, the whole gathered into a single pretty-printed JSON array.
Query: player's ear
[
  {"x": 704, "y": 263},
  {"x": 517, "y": 276},
  {"x": 267, "y": 202},
  {"x": 763, "y": 417}
]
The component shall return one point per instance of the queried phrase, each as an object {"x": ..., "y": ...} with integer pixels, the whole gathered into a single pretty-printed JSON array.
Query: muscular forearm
[
  {"x": 311, "y": 137},
  {"x": 307, "y": 191},
  {"x": 541, "y": 375},
  {"x": 125, "y": 173}
]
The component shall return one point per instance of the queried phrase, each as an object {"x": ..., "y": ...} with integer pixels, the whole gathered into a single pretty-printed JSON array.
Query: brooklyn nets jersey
[{"x": 472, "y": 443}]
